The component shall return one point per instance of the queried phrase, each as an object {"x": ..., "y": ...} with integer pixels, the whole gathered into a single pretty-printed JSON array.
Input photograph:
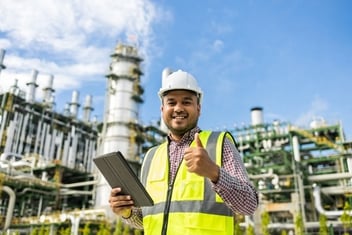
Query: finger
[
  {"x": 115, "y": 191},
  {"x": 198, "y": 141},
  {"x": 121, "y": 201}
]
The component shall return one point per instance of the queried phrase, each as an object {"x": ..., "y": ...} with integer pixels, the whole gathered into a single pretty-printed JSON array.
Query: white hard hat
[{"x": 180, "y": 80}]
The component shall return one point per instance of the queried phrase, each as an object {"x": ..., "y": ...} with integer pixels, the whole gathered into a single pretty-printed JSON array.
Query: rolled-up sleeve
[{"x": 234, "y": 186}]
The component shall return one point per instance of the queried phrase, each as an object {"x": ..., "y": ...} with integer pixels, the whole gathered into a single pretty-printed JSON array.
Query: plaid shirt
[{"x": 233, "y": 185}]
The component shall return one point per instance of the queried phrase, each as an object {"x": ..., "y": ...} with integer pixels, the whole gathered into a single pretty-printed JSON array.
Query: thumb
[{"x": 198, "y": 141}]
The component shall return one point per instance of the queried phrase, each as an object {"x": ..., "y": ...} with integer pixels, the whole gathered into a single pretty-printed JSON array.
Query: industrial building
[
  {"x": 48, "y": 181},
  {"x": 303, "y": 175}
]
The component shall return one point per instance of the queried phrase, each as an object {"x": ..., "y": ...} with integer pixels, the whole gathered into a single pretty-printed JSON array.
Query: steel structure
[
  {"x": 299, "y": 172},
  {"x": 47, "y": 176}
]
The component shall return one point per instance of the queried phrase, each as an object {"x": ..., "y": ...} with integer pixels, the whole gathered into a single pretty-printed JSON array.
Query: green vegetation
[
  {"x": 265, "y": 222},
  {"x": 299, "y": 227},
  {"x": 323, "y": 227},
  {"x": 346, "y": 218}
]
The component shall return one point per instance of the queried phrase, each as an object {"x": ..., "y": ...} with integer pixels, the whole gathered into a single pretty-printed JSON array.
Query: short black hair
[{"x": 195, "y": 93}]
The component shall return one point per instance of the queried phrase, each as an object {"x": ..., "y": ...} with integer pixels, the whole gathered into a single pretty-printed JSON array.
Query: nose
[{"x": 179, "y": 107}]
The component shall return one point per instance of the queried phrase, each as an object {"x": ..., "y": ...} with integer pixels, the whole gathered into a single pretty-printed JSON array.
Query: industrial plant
[{"x": 50, "y": 185}]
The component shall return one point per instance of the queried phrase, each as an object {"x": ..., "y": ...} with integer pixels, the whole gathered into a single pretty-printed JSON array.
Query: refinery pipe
[
  {"x": 269, "y": 174},
  {"x": 10, "y": 207},
  {"x": 319, "y": 207}
]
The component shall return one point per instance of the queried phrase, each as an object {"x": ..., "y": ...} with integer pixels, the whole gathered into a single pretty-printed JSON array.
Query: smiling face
[{"x": 180, "y": 111}]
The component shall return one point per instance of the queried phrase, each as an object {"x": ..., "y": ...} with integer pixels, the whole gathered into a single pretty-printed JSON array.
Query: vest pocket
[
  {"x": 157, "y": 190},
  {"x": 192, "y": 189},
  {"x": 198, "y": 223},
  {"x": 152, "y": 224}
]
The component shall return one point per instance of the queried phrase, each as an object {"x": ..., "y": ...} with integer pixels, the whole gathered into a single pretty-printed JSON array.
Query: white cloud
[
  {"x": 218, "y": 45},
  {"x": 68, "y": 24},
  {"x": 5, "y": 43},
  {"x": 71, "y": 39},
  {"x": 220, "y": 28}
]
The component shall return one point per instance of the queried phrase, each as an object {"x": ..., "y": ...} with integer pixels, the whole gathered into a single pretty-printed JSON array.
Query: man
[{"x": 196, "y": 178}]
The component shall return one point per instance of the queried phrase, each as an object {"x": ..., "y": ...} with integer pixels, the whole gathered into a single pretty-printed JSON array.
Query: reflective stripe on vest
[{"x": 192, "y": 195}]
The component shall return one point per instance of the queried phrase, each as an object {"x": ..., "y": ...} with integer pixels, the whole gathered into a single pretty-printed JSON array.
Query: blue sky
[{"x": 293, "y": 58}]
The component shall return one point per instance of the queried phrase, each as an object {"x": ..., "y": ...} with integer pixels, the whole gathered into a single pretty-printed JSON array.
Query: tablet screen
[{"x": 118, "y": 173}]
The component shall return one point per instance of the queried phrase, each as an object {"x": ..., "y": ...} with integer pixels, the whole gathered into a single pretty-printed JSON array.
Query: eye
[{"x": 171, "y": 103}]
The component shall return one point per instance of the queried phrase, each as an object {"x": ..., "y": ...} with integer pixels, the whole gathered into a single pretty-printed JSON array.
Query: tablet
[{"x": 118, "y": 173}]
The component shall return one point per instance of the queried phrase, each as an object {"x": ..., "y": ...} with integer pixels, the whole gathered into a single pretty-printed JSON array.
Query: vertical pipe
[
  {"x": 32, "y": 85},
  {"x": 74, "y": 104},
  {"x": 87, "y": 108},
  {"x": 85, "y": 154},
  {"x": 17, "y": 131},
  {"x": 53, "y": 144},
  {"x": 73, "y": 152},
  {"x": 59, "y": 152},
  {"x": 4, "y": 98},
  {"x": 48, "y": 90},
  {"x": 92, "y": 153},
  {"x": 42, "y": 140},
  {"x": 298, "y": 173},
  {"x": 47, "y": 145},
  {"x": 19, "y": 127},
  {"x": 37, "y": 138},
  {"x": 29, "y": 137},
  {"x": 66, "y": 150},
  {"x": 3, "y": 122},
  {"x": 296, "y": 151},
  {"x": 14, "y": 89},
  {"x": 2, "y": 55},
  {"x": 75, "y": 224},
  {"x": 10, "y": 207},
  {"x": 10, "y": 135},
  {"x": 40, "y": 206},
  {"x": 23, "y": 131}
]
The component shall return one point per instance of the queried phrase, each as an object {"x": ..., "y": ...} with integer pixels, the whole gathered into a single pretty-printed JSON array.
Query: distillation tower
[{"x": 121, "y": 115}]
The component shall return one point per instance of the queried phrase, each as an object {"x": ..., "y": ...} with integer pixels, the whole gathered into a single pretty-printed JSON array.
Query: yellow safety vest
[{"x": 190, "y": 206}]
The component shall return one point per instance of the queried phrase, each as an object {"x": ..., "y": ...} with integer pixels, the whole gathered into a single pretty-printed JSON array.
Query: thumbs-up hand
[{"x": 198, "y": 161}]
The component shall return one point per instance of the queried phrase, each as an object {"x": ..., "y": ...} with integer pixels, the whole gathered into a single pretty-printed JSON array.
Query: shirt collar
[{"x": 187, "y": 137}]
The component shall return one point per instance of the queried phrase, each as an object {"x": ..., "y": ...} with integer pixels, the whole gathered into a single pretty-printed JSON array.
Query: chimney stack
[{"x": 32, "y": 85}]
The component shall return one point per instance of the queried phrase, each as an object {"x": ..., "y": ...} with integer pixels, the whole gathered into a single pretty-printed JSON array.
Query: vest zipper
[
  {"x": 167, "y": 209},
  {"x": 168, "y": 197},
  {"x": 169, "y": 194}
]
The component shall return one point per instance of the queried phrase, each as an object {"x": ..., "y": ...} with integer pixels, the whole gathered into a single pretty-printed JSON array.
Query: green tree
[
  {"x": 323, "y": 227},
  {"x": 65, "y": 231},
  {"x": 283, "y": 232},
  {"x": 104, "y": 229},
  {"x": 346, "y": 218},
  {"x": 86, "y": 229},
  {"x": 34, "y": 231},
  {"x": 250, "y": 230},
  {"x": 237, "y": 228},
  {"x": 126, "y": 230},
  {"x": 43, "y": 230},
  {"x": 137, "y": 232},
  {"x": 118, "y": 227},
  {"x": 299, "y": 227},
  {"x": 265, "y": 217}
]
